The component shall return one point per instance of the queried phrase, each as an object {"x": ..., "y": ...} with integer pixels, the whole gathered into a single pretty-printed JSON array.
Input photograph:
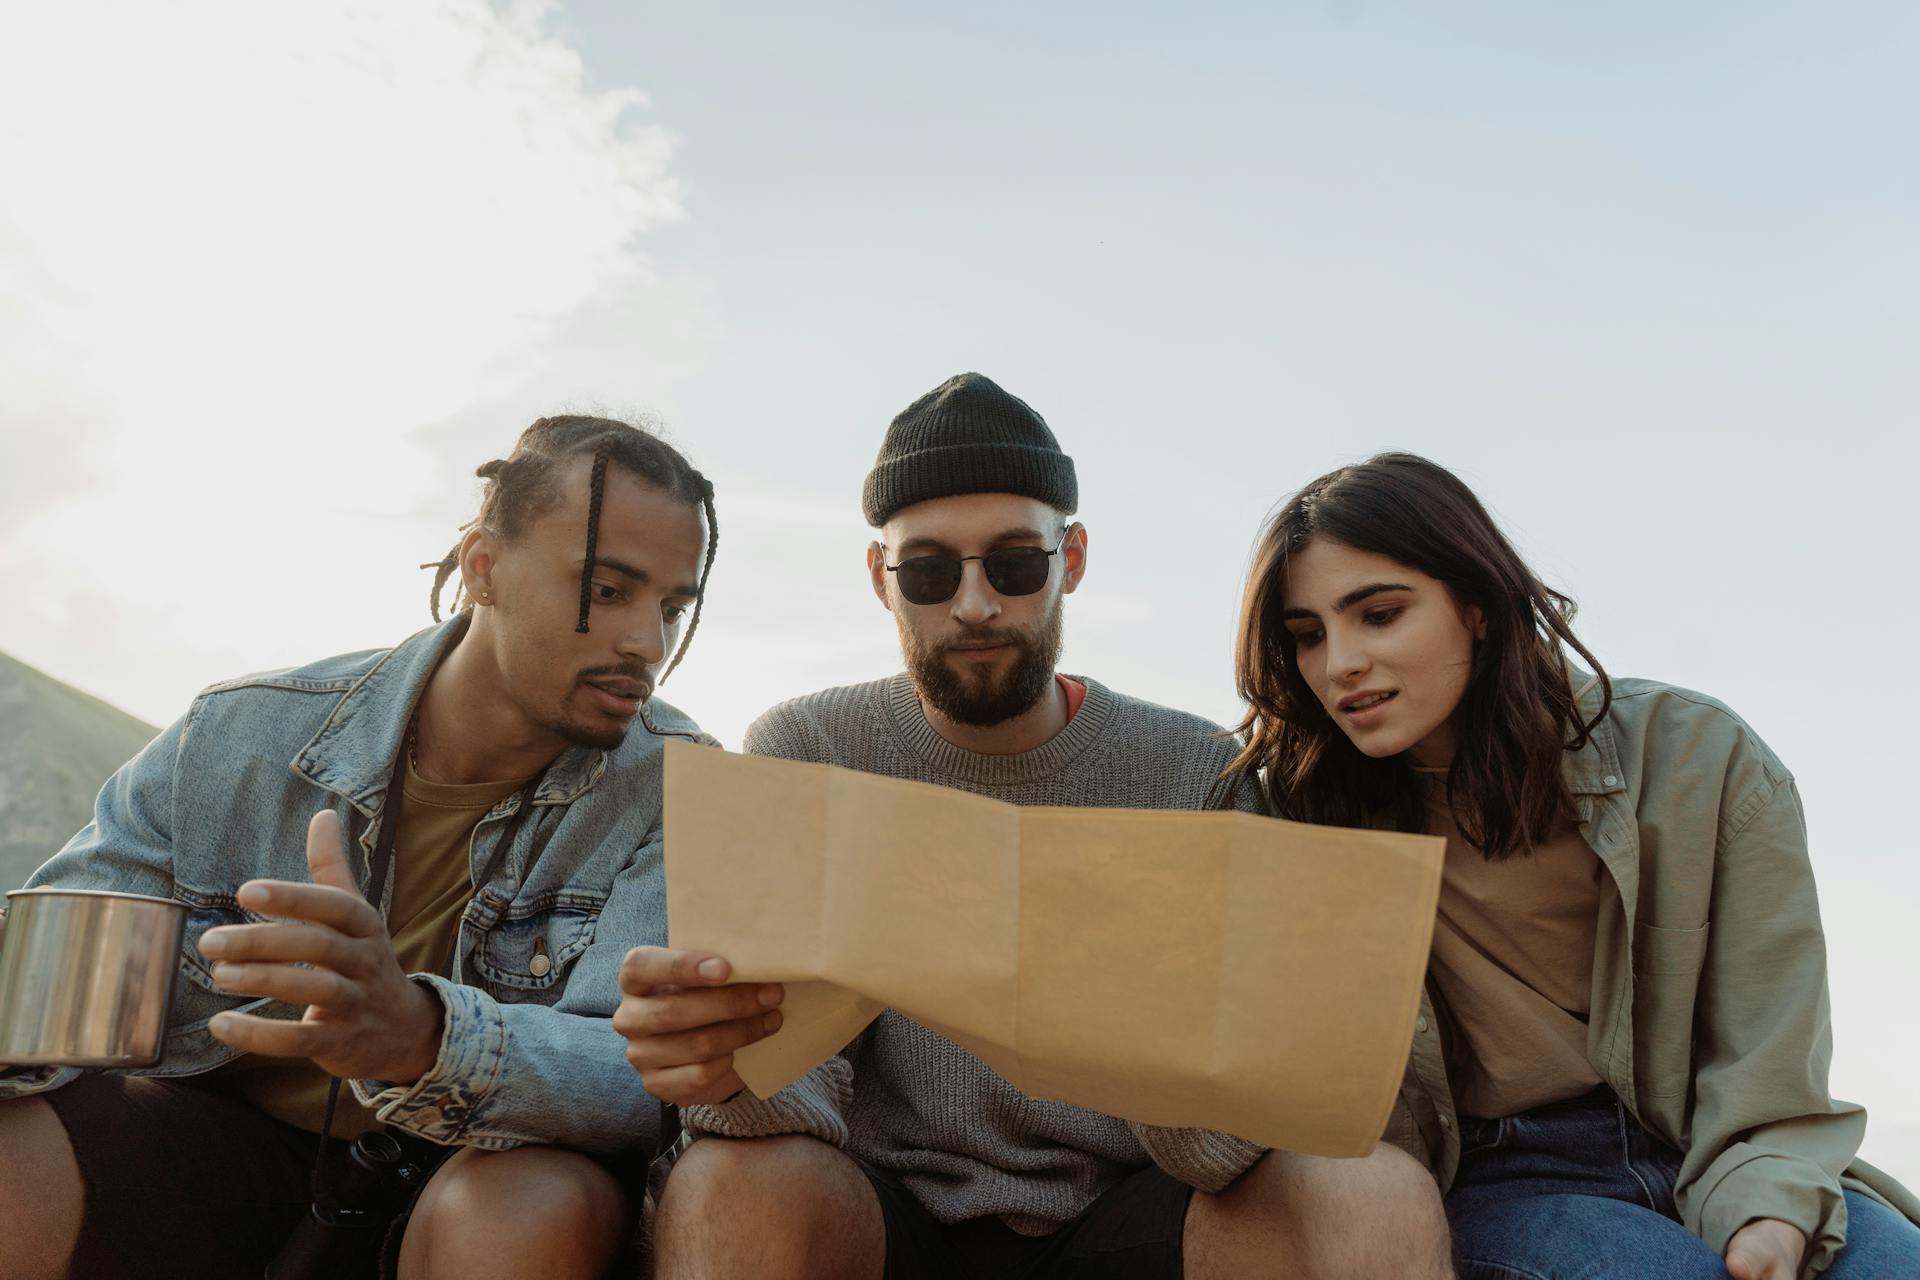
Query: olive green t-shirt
[{"x": 432, "y": 884}]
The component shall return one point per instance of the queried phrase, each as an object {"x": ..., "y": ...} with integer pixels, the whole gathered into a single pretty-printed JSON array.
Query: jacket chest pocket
[
  {"x": 197, "y": 996},
  {"x": 525, "y": 951},
  {"x": 1666, "y": 984}
]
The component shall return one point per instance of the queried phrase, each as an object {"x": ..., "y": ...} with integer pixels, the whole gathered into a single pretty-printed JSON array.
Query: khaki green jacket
[{"x": 1710, "y": 1016}]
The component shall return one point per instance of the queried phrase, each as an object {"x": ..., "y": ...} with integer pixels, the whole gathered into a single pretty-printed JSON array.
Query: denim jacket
[
  {"x": 572, "y": 863},
  {"x": 1710, "y": 1016}
]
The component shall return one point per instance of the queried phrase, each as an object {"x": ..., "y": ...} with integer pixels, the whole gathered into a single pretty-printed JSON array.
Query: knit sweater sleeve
[
  {"x": 814, "y": 1105},
  {"x": 1201, "y": 1158}
]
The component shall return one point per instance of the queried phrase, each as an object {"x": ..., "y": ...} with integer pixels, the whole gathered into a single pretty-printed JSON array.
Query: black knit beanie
[{"x": 968, "y": 436}]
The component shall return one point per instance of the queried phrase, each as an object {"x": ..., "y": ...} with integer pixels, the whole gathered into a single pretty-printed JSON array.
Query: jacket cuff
[
  {"x": 1765, "y": 1185},
  {"x": 814, "y": 1105},
  {"x": 16, "y": 1082},
  {"x": 1202, "y": 1158},
  {"x": 472, "y": 1054}
]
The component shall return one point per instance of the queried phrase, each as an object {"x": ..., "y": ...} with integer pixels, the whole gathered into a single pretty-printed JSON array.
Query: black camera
[{"x": 341, "y": 1235}]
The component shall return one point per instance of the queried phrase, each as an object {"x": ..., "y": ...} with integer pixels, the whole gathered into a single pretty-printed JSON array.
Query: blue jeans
[{"x": 1579, "y": 1191}]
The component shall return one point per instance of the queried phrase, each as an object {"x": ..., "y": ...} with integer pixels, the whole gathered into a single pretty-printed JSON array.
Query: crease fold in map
[{"x": 1213, "y": 969}]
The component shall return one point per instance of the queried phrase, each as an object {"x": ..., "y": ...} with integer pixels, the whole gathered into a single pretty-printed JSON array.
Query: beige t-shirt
[
  {"x": 1513, "y": 961},
  {"x": 432, "y": 884}
]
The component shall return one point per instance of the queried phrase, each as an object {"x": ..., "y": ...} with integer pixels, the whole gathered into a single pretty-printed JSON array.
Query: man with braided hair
[{"x": 480, "y": 811}]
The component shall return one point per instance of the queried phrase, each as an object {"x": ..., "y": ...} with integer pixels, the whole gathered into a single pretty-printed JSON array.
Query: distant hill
[{"x": 57, "y": 746}]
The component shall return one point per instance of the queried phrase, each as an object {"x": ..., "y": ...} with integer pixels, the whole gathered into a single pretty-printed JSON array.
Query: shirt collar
[
  {"x": 1594, "y": 769},
  {"x": 353, "y": 753}
]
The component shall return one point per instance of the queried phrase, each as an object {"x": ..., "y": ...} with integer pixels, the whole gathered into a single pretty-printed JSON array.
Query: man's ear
[
  {"x": 877, "y": 570},
  {"x": 477, "y": 564},
  {"x": 1074, "y": 552}
]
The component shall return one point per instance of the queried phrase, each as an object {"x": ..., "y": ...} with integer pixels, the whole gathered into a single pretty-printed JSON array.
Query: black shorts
[
  {"x": 183, "y": 1181},
  {"x": 1132, "y": 1232}
]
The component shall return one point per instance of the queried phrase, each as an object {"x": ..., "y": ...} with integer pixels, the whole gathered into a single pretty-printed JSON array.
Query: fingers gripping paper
[{"x": 1217, "y": 970}]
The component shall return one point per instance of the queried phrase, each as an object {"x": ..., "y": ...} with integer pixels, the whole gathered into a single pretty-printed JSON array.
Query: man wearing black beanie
[
  {"x": 907, "y": 1156},
  {"x": 968, "y": 436}
]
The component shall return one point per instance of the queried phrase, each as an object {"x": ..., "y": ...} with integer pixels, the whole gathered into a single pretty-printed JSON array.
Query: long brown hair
[{"x": 1518, "y": 714}]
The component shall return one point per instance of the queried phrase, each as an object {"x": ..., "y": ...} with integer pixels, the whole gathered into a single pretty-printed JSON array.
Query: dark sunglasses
[{"x": 1011, "y": 571}]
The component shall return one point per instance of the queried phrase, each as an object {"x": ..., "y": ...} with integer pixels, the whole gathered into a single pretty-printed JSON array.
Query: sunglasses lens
[
  {"x": 929, "y": 579},
  {"x": 1017, "y": 571}
]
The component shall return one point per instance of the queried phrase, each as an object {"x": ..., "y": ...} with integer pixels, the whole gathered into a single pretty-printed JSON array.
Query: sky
[{"x": 275, "y": 279}]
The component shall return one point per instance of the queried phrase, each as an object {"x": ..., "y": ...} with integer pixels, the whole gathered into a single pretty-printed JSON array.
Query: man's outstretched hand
[
  {"x": 365, "y": 1018},
  {"x": 683, "y": 1021}
]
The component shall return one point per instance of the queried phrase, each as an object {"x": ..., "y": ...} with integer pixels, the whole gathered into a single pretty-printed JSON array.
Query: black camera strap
[{"x": 377, "y": 866}]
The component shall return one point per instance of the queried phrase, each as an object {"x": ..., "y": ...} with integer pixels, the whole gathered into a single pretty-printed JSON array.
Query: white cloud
[{"x": 245, "y": 249}]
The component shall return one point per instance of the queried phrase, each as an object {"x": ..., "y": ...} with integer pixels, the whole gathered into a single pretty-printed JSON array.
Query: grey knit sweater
[{"x": 966, "y": 1142}]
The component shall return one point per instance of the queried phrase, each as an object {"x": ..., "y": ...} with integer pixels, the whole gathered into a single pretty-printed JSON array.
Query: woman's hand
[{"x": 1766, "y": 1249}]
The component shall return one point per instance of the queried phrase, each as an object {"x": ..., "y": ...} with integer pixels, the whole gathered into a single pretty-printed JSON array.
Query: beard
[
  {"x": 600, "y": 732},
  {"x": 982, "y": 697},
  {"x": 603, "y": 736}
]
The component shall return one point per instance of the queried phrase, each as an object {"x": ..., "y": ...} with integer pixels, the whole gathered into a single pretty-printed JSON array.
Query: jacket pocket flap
[{"x": 1657, "y": 949}]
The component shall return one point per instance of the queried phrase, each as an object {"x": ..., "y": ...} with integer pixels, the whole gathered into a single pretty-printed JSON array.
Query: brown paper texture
[{"x": 1214, "y": 969}]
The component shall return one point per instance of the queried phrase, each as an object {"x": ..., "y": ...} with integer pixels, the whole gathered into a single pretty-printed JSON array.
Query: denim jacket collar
[{"x": 353, "y": 753}]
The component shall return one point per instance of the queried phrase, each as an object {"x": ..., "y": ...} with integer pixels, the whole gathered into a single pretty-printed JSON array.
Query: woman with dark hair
[{"x": 1620, "y": 1069}]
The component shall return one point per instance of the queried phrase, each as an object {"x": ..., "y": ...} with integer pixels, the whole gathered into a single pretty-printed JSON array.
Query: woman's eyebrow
[
  {"x": 1358, "y": 594},
  {"x": 1346, "y": 601}
]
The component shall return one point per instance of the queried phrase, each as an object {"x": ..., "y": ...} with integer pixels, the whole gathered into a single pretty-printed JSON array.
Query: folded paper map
[{"x": 1212, "y": 969}]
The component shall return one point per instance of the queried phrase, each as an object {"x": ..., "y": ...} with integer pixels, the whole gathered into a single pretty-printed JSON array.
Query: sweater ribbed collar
[{"x": 1051, "y": 757}]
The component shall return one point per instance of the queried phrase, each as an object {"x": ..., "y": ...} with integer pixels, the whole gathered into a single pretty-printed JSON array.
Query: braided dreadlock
[
  {"x": 596, "y": 488},
  {"x": 526, "y": 483}
]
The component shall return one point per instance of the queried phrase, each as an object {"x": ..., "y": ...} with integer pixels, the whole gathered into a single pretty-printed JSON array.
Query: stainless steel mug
[{"x": 86, "y": 978}]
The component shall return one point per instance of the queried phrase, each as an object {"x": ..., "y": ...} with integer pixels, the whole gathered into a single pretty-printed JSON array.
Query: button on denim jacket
[{"x": 570, "y": 868}]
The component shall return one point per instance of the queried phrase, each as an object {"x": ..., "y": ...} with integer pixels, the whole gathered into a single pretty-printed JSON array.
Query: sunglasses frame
[{"x": 960, "y": 576}]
